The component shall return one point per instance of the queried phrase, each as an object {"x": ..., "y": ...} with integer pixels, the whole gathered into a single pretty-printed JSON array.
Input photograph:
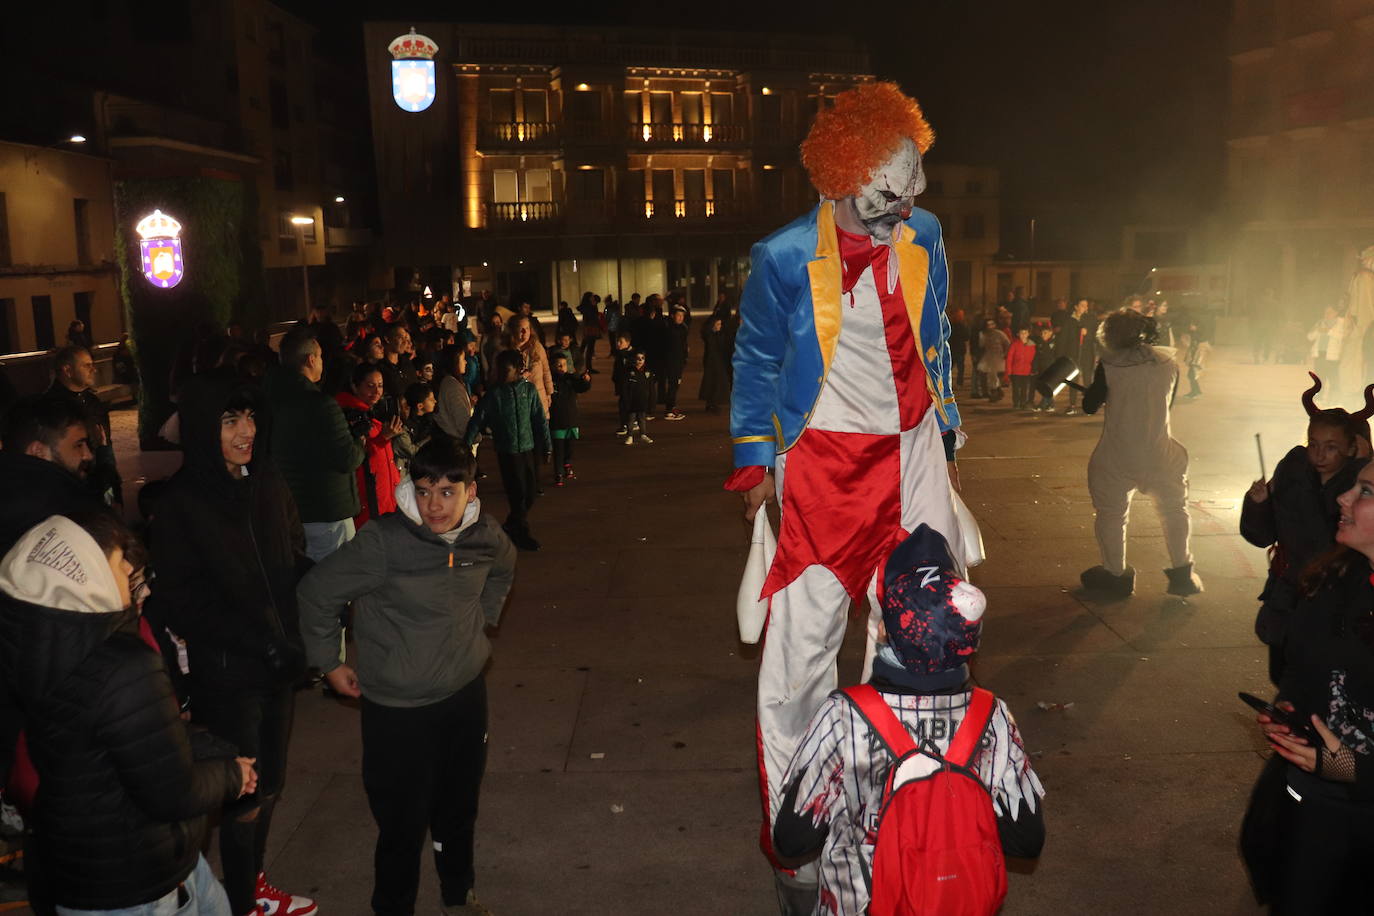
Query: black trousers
[
  {"x": 258, "y": 722},
  {"x": 518, "y": 476},
  {"x": 670, "y": 393},
  {"x": 562, "y": 454},
  {"x": 422, "y": 770},
  {"x": 1328, "y": 845},
  {"x": 638, "y": 424},
  {"x": 956, "y": 361},
  {"x": 1021, "y": 391}
]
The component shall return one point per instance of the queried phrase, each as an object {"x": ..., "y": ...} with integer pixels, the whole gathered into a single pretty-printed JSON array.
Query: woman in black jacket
[
  {"x": 119, "y": 817},
  {"x": 1326, "y": 824},
  {"x": 229, "y": 549}
]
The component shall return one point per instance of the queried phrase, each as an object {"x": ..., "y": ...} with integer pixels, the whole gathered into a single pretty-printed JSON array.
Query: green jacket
[
  {"x": 312, "y": 448},
  {"x": 514, "y": 416},
  {"x": 420, "y": 605}
]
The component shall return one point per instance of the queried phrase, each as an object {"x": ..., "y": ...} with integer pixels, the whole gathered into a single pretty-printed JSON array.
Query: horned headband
[{"x": 1309, "y": 401}]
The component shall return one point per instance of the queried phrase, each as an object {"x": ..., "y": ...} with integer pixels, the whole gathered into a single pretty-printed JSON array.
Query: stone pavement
[{"x": 621, "y": 773}]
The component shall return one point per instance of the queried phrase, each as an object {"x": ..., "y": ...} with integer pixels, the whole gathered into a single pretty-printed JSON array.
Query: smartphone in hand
[{"x": 1297, "y": 723}]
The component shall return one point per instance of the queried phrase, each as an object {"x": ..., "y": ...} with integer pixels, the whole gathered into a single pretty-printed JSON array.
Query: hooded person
[
  {"x": 120, "y": 816},
  {"x": 229, "y": 549},
  {"x": 834, "y": 784},
  {"x": 1135, "y": 381}
]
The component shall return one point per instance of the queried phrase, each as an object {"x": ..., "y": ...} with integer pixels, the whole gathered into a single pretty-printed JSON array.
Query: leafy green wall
[{"x": 224, "y": 278}]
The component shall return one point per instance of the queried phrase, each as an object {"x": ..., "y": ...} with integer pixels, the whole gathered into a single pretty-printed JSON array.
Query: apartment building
[
  {"x": 557, "y": 160},
  {"x": 1300, "y": 149},
  {"x": 57, "y": 260}
]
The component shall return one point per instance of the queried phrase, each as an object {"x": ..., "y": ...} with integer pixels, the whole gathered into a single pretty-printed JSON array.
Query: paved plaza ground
[{"x": 621, "y": 775}]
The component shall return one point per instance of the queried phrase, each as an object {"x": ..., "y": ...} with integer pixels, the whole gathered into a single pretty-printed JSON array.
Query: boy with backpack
[
  {"x": 563, "y": 416},
  {"x": 911, "y": 787}
]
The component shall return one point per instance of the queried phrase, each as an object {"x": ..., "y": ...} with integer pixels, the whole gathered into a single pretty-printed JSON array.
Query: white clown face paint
[{"x": 890, "y": 193}]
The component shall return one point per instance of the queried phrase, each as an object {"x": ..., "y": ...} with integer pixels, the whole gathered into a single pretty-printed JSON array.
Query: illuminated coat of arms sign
[
  {"x": 160, "y": 249},
  {"x": 412, "y": 71}
]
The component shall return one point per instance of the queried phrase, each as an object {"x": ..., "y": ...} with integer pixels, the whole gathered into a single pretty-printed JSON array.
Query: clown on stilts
[{"x": 843, "y": 407}]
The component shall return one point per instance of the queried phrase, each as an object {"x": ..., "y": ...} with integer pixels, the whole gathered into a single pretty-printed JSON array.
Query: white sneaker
[
  {"x": 622, "y": 431},
  {"x": 1071, "y": 412},
  {"x": 629, "y": 440},
  {"x": 646, "y": 439}
]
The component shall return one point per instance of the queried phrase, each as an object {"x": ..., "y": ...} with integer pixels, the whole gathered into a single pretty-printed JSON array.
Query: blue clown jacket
[{"x": 790, "y": 322}]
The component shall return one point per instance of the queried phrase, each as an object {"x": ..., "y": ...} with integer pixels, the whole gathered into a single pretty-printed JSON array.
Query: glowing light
[
  {"x": 160, "y": 249},
  {"x": 338, "y": 200},
  {"x": 769, "y": 168},
  {"x": 484, "y": 263},
  {"x": 76, "y": 138},
  {"x": 429, "y": 293},
  {"x": 412, "y": 71},
  {"x": 586, "y": 168},
  {"x": 302, "y": 220},
  {"x": 521, "y": 261},
  {"x": 648, "y": 209},
  {"x": 706, "y": 133},
  {"x": 767, "y": 91},
  {"x": 582, "y": 87},
  {"x": 647, "y": 133}
]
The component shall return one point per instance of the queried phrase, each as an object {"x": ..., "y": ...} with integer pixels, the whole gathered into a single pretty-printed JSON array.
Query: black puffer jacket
[
  {"x": 228, "y": 553},
  {"x": 563, "y": 413},
  {"x": 120, "y": 810}
]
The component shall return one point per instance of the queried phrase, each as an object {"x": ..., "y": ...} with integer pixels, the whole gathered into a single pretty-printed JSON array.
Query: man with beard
[
  {"x": 865, "y": 446},
  {"x": 44, "y": 464},
  {"x": 74, "y": 380},
  {"x": 44, "y": 461}
]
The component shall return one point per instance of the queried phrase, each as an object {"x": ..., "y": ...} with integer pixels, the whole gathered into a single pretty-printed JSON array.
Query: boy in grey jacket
[{"x": 424, "y": 583}]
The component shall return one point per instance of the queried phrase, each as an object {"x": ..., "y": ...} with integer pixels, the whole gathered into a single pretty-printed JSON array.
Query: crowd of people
[
  {"x": 1009, "y": 346},
  {"x": 327, "y": 478}
]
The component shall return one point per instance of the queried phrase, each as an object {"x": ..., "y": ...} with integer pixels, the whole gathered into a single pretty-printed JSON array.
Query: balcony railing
[
  {"x": 686, "y": 210},
  {"x": 524, "y": 212},
  {"x": 518, "y": 133},
  {"x": 688, "y": 134}
]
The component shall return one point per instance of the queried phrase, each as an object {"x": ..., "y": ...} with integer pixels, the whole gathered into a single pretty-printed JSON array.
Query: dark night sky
[{"x": 1098, "y": 113}]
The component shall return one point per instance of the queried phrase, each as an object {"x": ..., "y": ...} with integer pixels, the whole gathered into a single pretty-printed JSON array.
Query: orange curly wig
[{"x": 854, "y": 136}]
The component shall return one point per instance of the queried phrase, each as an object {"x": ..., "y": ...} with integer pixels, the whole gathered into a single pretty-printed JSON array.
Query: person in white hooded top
[{"x": 119, "y": 815}]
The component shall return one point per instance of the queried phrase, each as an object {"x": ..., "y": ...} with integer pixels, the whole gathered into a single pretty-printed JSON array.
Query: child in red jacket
[{"x": 1020, "y": 360}]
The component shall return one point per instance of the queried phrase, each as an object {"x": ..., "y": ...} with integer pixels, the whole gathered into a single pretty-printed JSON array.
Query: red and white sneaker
[{"x": 273, "y": 901}]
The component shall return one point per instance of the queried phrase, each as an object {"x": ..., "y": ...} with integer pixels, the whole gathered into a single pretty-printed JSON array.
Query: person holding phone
[
  {"x": 1325, "y": 828},
  {"x": 378, "y": 474}
]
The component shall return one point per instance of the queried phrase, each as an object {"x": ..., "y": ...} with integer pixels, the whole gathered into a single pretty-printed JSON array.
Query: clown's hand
[{"x": 754, "y": 498}]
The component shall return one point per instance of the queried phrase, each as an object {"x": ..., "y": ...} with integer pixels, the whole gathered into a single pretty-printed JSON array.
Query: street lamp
[{"x": 300, "y": 222}]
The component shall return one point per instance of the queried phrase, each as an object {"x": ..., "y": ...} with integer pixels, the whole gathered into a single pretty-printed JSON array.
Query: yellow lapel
[
  {"x": 913, "y": 263},
  {"x": 825, "y": 283}
]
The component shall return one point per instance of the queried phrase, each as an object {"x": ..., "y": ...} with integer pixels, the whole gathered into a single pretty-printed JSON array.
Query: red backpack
[{"x": 937, "y": 852}]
